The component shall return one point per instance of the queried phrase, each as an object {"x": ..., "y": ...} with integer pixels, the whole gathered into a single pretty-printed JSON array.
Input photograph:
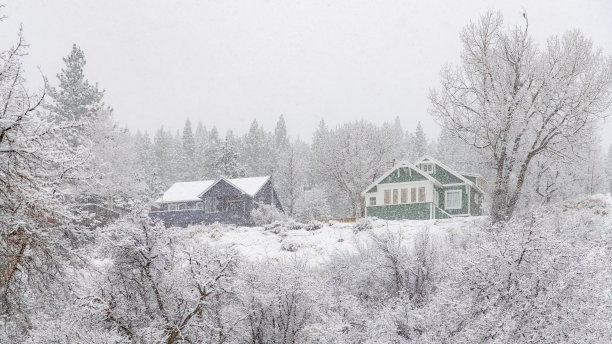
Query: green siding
[
  {"x": 440, "y": 214},
  {"x": 444, "y": 176},
  {"x": 374, "y": 189},
  {"x": 464, "y": 199},
  {"x": 404, "y": 175},
  {"x": 475, "y": 209},
  {"x": 470, "y": 178},
  {"x": 412, "y": 211}
]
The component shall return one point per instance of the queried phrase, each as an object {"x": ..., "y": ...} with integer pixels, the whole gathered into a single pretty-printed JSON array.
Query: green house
[{"x": 425, "y": 190}]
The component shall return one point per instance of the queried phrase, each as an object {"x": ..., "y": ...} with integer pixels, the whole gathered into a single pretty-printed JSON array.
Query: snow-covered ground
[
  {"x": 284, "y": 241},
  {"x": 287, "y": 240}
]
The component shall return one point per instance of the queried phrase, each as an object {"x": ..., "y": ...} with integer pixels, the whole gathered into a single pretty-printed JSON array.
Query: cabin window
[
  {"x": 372, "y": 200},
  {"x": 172, "y": 207},
  {"x": 387, "y": 196},
  {"x": 395, "y": 196},
  {"x": 477, "y": 198},
  {"x": 427, "y": 168},
  {"x": 210, "y": 204},
  {"x": 404, "y": 196},
  {"x": 199, "y": 205},
  {"x": 235, "y": 206},
  {"x": 452, "y": 199},
  {"x": 413, "y": 195},
  {"x": 422, "y": 194},
  {"x": 182, "y": 206}
]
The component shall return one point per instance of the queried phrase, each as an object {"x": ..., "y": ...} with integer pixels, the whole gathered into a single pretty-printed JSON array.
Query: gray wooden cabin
[{"x": 224, "y": 200}]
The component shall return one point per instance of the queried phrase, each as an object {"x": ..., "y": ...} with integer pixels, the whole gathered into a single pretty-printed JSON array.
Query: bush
[
  {"x": 289, "y": 245},
  {"x": 266, "y": 214},
  {"x": 363, "y": 224}
]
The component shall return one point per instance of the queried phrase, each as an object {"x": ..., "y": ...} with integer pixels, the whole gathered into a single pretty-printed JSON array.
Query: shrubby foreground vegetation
[{"x": 542, "y": 278}]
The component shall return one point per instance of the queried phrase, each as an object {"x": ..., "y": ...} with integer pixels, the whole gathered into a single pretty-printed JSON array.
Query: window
[
  {"x": 387, "y": 196},
  {"x": 199, "y": 205},
  {"x": 235, "y": 206},
  {"x": 404, "y": 195},
  {"x": 422, "y": 194},
  {"x": 413, "y": 195},
  {"x": 372, "y": 200},
  {"x": 395, "y": 196},
  {"x": 427, "y": 168},
  {"x": 181, "y": 206},
  {"x": 172, "y": 207},
  {"x": 477, "y": 198},
  {"x": 452, "y": 199},
  {"x": 210, "y": 205}
]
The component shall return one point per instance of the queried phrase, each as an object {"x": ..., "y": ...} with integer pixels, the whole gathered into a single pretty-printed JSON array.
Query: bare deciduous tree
[{"x": 516, "y": 101}]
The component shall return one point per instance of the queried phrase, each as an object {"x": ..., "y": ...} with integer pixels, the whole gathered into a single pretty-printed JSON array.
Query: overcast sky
[{"x": 227, "y": 62}]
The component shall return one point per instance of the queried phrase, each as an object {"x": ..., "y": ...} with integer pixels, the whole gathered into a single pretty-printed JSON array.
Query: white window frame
[
  {"x": 200, "y": 205},
  {"x": 214, "y": 203},
  {"x": 446, "y": 206},
  {"x": 427, "y": 167},
  {"x": 372, "y": 200},
  {"x": 172, "y": 207}
]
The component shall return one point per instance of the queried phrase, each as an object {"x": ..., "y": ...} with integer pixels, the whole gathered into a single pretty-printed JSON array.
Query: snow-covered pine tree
[
  {"x": 227, "y": 162},
  {"x": 257, "y": 151},
  {"x": 201, "y": 144},
  {"x": 75, "y": 99},
  {"x": 188, "y": 157}
]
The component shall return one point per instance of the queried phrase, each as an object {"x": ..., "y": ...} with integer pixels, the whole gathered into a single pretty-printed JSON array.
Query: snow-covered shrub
[
  {"x": 294, "y": 226},
  {"x": 290, "y": 244},
  {"x": 265, "y": 214},
  {"x": 363, "y": 224},
  {"x": 313, "y": 225}
]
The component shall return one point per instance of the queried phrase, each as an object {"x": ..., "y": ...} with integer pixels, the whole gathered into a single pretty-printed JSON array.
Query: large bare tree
[{"x": 515, "y": 100}]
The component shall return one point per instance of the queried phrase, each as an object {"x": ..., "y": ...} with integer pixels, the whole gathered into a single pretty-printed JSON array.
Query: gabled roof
[
  {"x": 192, "y": 191},
  {"x": 401, "y": 164},
  {"x": 185, "y": 191},
  {"x": 450, "y": 170},
  {"x": 249, "y": 186}
]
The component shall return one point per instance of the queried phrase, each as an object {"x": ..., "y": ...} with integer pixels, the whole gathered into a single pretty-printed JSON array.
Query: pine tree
[
  {"x": 227, "y": 162},
  {"x": 257, "y": 151},
  {"x": 188, "y": 157},
  {"x": 75, "y": 99},
  {"x": 281, "y": 141},
  {"x": 420, "y": 141}
]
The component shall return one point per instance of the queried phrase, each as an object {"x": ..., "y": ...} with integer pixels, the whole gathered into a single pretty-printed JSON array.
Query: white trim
[
  {"x": 214, "y": 205},
  {"x": 469, "y": 198},
  {"x": 400, "y": 165},
  {"x": 446, "y": 192},
  {"x": 456, "y": 174}
]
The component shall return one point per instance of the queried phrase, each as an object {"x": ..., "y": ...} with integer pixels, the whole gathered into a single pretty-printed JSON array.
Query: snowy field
[
  {"x": 290, "y": 240},
  {"x": 281, "y": 241}
]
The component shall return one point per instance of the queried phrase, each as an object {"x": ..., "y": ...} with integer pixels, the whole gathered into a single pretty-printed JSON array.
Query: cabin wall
[{"x": 412, "y": 211}]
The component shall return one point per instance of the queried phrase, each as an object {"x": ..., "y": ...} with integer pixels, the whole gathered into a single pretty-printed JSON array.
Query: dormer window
[{"x": 427, "y": 168}]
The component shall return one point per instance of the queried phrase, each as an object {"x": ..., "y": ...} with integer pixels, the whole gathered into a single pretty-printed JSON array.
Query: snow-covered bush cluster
[
  {"x": 543, "y": 277},
  {"x": 265, "y": 214}
]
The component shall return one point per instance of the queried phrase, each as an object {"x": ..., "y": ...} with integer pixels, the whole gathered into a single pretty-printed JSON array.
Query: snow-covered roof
[
  {"x": 192, "y": 191},
  {"x": 251, "y": 185},
  {"x": 185, "y": 191}
]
